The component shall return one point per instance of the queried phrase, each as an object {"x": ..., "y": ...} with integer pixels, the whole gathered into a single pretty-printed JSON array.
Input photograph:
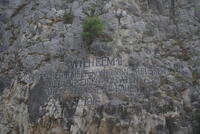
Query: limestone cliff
[{"x": 141, "y": 76}]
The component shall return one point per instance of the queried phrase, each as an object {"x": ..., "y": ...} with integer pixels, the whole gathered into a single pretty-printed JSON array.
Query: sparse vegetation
[
  {"x": 68, "y": 17},
  {"x": 92, "y": 29},
  {"x": 196, "y": 128}
]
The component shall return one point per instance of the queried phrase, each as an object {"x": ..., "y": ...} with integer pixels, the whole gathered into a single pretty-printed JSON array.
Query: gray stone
[
  {"x": 133, "y": 62},
  {"x": 101, "y": 48},
  {"x": 37, "y": 98},
  {"x": 2, "y": 86},
  {"x": 153, "y": 36},
  {"x": 197, "y": 11},
  {"x": 4, "y": 17}
]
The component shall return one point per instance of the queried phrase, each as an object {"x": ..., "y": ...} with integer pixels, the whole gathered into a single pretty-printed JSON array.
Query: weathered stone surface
[
  {"x": 37, "y": 99},
  {"x": 52, "y": 83}
]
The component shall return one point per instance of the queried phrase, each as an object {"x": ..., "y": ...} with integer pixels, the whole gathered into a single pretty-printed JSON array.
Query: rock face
[{"x": 142, "y": 76}]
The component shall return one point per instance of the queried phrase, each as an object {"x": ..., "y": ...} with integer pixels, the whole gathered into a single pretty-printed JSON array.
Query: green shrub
[
  {"x": 68, "y": 18},
  {"x": 92, "y": 29}
]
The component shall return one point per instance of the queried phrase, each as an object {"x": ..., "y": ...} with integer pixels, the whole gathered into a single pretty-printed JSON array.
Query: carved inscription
[{"x": 93, "y": 76}]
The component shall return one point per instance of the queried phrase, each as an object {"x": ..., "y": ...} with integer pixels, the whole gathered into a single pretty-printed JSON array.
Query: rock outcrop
[{"x": 142, "y": 76}]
